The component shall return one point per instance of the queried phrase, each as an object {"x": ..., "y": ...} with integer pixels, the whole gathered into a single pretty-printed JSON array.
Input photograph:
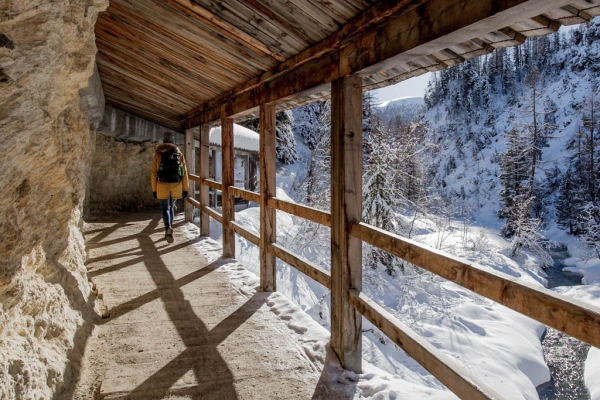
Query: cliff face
[
  {"x": 120, "y": 178},
  {"x": 46, "y": 54}
]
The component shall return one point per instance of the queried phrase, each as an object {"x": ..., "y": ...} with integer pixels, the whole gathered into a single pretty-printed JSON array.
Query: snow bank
[{"x": 243, "y": 138}]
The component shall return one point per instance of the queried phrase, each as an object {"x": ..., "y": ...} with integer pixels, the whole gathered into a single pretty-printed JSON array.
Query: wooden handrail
[
  {"x": 212, "y": 213},
  {"x": 193, "y": 202},
  {"x": 195, "y": 178},
  {"x": 566, "y": 314},
  {"x": 244, "y": 194},
  {"x": 455, "y": 377},
  {"x": 301, "y": 264},
  {"x": 310, "y": 213},
  {"x": 251, "y": 237},
  {"x": 213, "y": 184}
]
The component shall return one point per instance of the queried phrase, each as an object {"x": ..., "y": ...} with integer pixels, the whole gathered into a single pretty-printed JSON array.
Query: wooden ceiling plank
[
  {"x": 366, "y": 21},
  {"x": 209, "y": 60},
  {"x": 163, "y": 62},
  {"x": 340, "y": 16},
  {"x": 148, "y": 115},
  {"x": 135, "y": 78},
  {"x": 135, "y": 75},
  {"x": 238, "y": 14},
  {"x": 178, "y": 61},
  {"x": 117, "y": 85},
  {"x": 134, "y": 106},
  {"x": 427, "y": 29},
  {"x": 196, "y": 11},
  {"x": 320, "y": 16},
  {"x": 164, "y": 18}
]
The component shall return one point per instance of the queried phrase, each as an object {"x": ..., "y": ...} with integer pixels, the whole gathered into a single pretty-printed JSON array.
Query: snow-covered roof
[{"x": 243, "y": 138}]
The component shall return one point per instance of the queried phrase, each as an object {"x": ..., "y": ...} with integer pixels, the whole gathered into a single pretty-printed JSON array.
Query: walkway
[{"x": 179, "y": 328}]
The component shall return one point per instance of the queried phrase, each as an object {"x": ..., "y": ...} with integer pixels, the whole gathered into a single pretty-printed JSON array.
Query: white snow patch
[{"x": 243, "y": 138}]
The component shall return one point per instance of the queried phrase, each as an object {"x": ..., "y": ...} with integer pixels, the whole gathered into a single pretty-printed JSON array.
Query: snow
[
  {"x": 404, "y": 100},
  {"x": 243, "y": 138}
]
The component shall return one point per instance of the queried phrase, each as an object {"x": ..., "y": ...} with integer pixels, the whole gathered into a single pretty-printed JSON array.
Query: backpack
[{"x": 170, "y": 169}]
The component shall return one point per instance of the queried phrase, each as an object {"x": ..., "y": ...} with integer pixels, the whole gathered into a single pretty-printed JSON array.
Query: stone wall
[
  {"x": 46, "y": 55},
  {"x": 120, "y": 177}
]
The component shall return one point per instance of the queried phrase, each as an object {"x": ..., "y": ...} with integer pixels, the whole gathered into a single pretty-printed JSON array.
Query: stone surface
[
  {"x": 46, "y": 55},
  {"x": 178, "y": 326},
  {"x": 120, "y": 176}
]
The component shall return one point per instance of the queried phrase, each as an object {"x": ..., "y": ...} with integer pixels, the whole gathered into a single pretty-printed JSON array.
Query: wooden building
[{"x": 190, "y": 65}]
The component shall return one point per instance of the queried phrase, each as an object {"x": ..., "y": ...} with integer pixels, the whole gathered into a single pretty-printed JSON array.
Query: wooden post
[
  {"x": 227, "y": 180},
  {"x": 189, "y": 164},
  {"x": 346, "y": 206},
  {"x": 267, "y": 189},
  {"x": 203, "y": 172}
]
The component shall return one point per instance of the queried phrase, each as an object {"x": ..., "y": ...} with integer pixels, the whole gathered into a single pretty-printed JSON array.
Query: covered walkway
[{"x": 181, "y": 326}]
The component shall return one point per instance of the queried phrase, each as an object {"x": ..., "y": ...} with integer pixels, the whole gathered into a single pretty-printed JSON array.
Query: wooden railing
[{"x": 348, "y": 302}]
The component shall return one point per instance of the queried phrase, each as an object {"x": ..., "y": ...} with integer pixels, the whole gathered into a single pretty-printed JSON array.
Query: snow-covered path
[{"x": 180, "y": 324}]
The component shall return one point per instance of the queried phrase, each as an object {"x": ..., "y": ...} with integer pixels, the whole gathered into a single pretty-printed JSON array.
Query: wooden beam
[
  {"x": 214, "y": 22},
  {"x": 426, "y": 29},
  {"x": 268, "y": 234},
  {"x": 212, "y": 184},
  {"x": 346, "y": 206},
  {"x": 190, "y": 162},
  {"x": 444, "y": 368},
  {"x": 310, "y": 213},
  {"x": 203, "y": 171},
  {"x": 213, "y": 214},
  {"x": 301, "y": 264},
  {"x": 246, "y": 234},
  {"x": 568, "y": 315},
  {"x": 245, "y": 194},
  {"x": 227, "y": 179}
]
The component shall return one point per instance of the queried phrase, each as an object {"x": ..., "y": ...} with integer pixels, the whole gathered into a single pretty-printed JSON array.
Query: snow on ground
[
  {"x": 496, "y": 344},
  {"x": 373, "y": 383}
]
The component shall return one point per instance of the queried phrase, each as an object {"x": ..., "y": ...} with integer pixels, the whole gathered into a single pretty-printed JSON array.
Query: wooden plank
[
  {"x": 426, "y": 29},
  {"x": 222, "y": 28},
  {"x": 190, "y": 162},
  {"x": 166, "y": 42},
  {"x": 245, "y": 194},
  {"x": 309, "y": 213},
  {"x": 213, "y": 214},
  {"x": 203, "y": 171},
  {"x": 573, "y": 317},
  {"x": 143, "y": 112},
  {"x": 301, "y": 264},
  {"x": 193, "y": 202},
  {"x": 227, "y": 204},
  {"x": 268, "y": 277},
  {"x": 445, "y": 369},
  {"x": 240, "y": 230},
  {"x": 346, "y": 206},
  {"x": 213, "y": 184}
]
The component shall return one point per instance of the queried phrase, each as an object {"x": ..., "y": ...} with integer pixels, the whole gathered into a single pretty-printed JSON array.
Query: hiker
[{"x": 169, "y": 180}]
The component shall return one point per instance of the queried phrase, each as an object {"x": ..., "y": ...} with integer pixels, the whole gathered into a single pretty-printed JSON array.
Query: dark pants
[{"x": 168, "y": 211}]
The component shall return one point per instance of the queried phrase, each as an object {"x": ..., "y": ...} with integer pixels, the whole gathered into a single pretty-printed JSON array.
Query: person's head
[{"x": 168, "y": 137}]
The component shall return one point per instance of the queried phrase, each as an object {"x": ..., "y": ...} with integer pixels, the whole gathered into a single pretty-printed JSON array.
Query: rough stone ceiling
[{"x": 167, "y": 60}]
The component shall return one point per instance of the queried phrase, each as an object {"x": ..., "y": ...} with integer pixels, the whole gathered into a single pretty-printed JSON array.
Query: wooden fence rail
[
  {"x": 309, "y": 213},
  {"x": 456, "y": 378},
  {"x": 301, "y": 264},
  {"x": 556, "y": 310}
]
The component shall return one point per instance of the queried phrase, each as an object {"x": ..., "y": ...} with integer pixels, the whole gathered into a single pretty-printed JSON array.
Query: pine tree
[
  {"x": 568, "y": 204},
  {"x": 285, "y": 140},
  {"x": 306, "y": 123}
]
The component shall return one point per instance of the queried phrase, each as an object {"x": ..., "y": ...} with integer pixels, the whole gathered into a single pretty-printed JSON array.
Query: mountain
[{"x": 408, "y": 108}]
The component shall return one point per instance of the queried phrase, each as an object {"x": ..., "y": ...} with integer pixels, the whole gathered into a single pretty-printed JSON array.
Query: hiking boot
[{"x": 169, "y": 234}]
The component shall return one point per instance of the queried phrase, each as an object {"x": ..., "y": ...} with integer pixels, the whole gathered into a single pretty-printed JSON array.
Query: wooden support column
[
  {"x": 189, "y": 164},
  {"x": 346, "y": 206},
  {"x": 203, "y": 172},
  {"x": 227, "y": 179},
  {"x": 267, "y": 190}
]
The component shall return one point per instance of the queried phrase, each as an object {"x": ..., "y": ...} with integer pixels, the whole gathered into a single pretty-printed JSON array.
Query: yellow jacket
[{"x": 164, "y": 189}]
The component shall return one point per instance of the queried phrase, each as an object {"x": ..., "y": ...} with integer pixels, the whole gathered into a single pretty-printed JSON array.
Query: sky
[{"x": 408, "y": 88}]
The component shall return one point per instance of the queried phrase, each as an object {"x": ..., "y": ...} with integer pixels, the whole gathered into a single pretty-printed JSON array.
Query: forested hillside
[{"x": 514, "y": 135}]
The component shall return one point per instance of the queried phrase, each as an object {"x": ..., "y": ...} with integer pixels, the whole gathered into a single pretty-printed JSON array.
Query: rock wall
[
  {"x": 120, "y": 177},
  {"x": 46, "y": 55}
]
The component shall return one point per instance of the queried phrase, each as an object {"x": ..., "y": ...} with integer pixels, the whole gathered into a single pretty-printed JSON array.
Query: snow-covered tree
[{"x": 285, "y": 140}]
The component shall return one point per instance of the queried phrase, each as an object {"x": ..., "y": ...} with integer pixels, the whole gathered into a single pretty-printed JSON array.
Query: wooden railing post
[
  {"x": 267, "y": 190},
  {"x": 203, "y": 172},
  {"x": 227, "y": 179},
  {"x": 346, "y": 206},
  {"x": 189, "y": 164}
]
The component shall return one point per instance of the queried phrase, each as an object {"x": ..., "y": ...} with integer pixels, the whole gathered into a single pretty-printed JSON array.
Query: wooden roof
[{"x": 180, "y": 63}]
